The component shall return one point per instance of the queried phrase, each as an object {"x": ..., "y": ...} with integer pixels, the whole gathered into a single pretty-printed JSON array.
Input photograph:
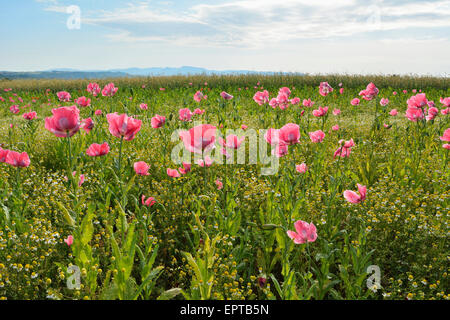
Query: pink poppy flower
[
  {"x": 198, "y": 96},
  {"x": 65, "y": 121},
  {"x": 384, "y": 102},
  {"x": 97, "y": 150},
  {"x": 185, "y": 114},
  {"x": 342, "y": 152},
  {"x": 81, "y": 181},
  {"x": 370, "y": 92},
  {"x": 273, "y": 103},
  {"x": 150, "y": 201},
  {"x": 109, "y": 90},
  {"x": 199, "y": 111},
  {"x": 341, "y": 90},
  {"x": 418, "y": 101},
  {"x": 207, "y": 162},
  {"x": 63, "y": 96},
  {"x": 445, "y": 101},
  {"x": 232, "y": 141},
  {"x": 143, "y": 106},
  {"x": 295, "y": 101},
  {"x": 261, "y": 97},
  {"x": 347, "y": 144},
  {"x": 282, "y": 100},
  {"x": 87, "y": 125},
  {"x": 18, "y": 160},
  {"x": 317, "y": 136},
  {"x": 353, "y": 197},
  {"x": 123, "y": 126},
  {"x": 199, "y": 138},
  {"x": 355, "y": 102},
  {"x": 305, "y": 232},
  {"x": 244, "y": 127},
  {"x": 393, "y": 112},
  {"x": 308, "y": 103},
  {"x": 226, "y": 96},
  {"x": 98, "y": 112},
  {"x": 83, "y": 102},
  {"x": 173, "y": 173},
  {"x": 14, "y": 109},
  {"x": 69, "y": 240},
  {"x": 446, "y": 135},
  {"x": 414, "y": 114},
  {"x": 290, "y": 134},
  {"x": 158, "y": 121},
  {"x": 320, "y": 112},
  {"x": 94, "y": 89},
  {"x": 325, "y": 89},
  {"x": 30, "y": 115},
  {"x": 185, "y": 169},
  {"x": 285, "y": 90},
  {"x": 335, "y": 128},
  {"x": 141, "y": 168},
  {"x": 280, "y": 150},
  {"x": 3, "y": 155},
  {"x": 301, "y": 168},
  {"x": 219, "y": 184},
  {"x": 336, "y": 112},
  {"x": 272, "y": 136},
  {"x": 432, "y": 113}
]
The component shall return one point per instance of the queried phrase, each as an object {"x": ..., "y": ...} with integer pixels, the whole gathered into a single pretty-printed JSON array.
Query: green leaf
[
  {"x": 170, "y": 294},
  {"x": 277, "y": 285},
  {"x": 154, "y": 274},
  {"x": 66, "y": 214},
  {"x": 87, "y": 229}
]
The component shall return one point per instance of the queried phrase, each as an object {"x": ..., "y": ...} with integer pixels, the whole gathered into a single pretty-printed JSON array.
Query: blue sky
[{"x": 328, "y": 36}]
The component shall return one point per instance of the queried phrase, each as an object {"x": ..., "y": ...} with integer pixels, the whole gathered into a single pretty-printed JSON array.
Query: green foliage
[{"x": 198, "y": 242}]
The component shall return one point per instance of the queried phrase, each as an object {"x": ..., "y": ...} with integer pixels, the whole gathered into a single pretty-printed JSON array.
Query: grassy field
[{"x": 222, "y": 231}]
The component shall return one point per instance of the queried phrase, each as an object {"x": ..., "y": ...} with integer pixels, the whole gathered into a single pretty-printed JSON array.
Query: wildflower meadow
[{"x": 250, "y": 187}]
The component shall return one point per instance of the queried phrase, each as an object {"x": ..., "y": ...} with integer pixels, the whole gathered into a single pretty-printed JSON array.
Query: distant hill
[
  {"x": 61, "y": 75},
  {"x": 185, "y": 70},
  {"x": 117, "y": 73}
]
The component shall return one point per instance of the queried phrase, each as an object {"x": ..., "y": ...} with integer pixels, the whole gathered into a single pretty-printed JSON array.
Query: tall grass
[{"x": 250, "y": 80}]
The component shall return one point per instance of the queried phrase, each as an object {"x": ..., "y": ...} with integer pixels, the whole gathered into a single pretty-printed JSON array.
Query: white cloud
[
  {"x": 260, "y": 23},
  {"x": 57, "y": 8}
]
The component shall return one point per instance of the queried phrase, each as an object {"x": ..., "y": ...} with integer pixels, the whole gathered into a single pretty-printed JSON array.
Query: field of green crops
[{"x": 94, "y": 204}]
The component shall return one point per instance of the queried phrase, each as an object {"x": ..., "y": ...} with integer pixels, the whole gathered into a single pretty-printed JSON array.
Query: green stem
[
  {"x": 18, "y": 186},
  {"x": 120, "y": 159},
  {"x": 70, "y": 164},
  {"x": 204, "y": 173}
]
